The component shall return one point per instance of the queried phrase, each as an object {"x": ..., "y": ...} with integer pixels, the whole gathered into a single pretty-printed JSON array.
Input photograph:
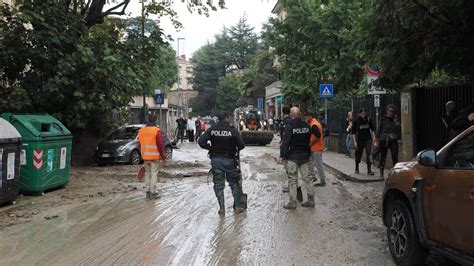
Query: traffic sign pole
[{"x": 326, "y": 111}]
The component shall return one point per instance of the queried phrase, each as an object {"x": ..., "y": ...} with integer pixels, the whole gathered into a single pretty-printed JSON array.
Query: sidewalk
[{"x": 344, "y": 166}]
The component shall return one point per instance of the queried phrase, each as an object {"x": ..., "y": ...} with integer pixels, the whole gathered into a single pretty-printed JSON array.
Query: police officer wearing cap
[
  {"x": 223, "y": 142},
  {"x": 296, "y": 151}
]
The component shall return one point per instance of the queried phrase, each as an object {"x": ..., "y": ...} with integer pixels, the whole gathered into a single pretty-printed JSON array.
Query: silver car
[{"x": 122, "y": 146}]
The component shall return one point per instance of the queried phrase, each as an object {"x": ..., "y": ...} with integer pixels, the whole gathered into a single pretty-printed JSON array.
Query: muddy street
[{"x": 103, "y": 218}]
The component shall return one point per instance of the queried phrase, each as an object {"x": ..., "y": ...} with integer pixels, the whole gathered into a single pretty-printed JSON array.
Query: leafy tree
[
  {"x": 315, "y": 44},
  {"x": 415, "y": 39},
  {"x": 232, "y": 52},
  {"x": 228, "y": 94},
  {"x": 57, "y": 65}
]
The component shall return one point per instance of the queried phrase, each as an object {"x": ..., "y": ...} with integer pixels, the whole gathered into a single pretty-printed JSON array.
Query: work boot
[
  {"x": 238, "y": 210},
  {"x": 309, "y": 203},
  {"x": 221, "y": 212},
  {"x": 369, "y": 170},
  {"x": 322, "y": 183},
  {"x": 155, "y": 195},
  {"x": 148, "y": 195},
  {"x": 290, "y": 205}
]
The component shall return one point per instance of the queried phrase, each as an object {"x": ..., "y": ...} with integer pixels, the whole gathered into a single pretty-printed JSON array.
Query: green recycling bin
[{"x": 46, "y": 151}]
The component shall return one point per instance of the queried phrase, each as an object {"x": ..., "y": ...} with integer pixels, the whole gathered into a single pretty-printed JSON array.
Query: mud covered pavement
[{"x": 103, "y": 218}]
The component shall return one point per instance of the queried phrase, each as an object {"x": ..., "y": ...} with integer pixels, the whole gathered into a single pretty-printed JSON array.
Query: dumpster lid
[
  {"x": 40, "y": 125},
  {"x": 8, "y": 133}
]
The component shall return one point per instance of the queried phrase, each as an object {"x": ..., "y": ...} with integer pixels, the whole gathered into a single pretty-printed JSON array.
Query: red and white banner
[{"x": 37, "y": 159}]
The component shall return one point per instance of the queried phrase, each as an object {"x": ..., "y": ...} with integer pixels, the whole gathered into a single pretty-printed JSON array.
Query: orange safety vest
[
  {"x": 148, "y": 146},
  {"x": 319, "y": 145}
]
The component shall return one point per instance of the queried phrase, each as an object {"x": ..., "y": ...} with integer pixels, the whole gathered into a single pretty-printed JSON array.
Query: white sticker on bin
[
  {"x": 62, "y": 163},
  {"x": 23, "y": 157},
  {"x": 11, "y": 166}
]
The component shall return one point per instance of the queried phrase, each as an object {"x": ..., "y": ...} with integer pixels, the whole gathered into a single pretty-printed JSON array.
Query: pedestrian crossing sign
[{"x": 326, "y": 90}]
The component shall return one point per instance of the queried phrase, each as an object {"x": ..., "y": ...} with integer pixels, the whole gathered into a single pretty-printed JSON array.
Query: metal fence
[
  {"x": 429, "y": 107},
  {"x": 337, "y": 114}
]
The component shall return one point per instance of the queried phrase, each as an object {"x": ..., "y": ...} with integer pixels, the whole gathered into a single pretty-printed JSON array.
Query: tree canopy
[
  {"x": 233, "y": 70},
  {"x": 414, "y": 41},
  {"x": 51, "y": 62}
]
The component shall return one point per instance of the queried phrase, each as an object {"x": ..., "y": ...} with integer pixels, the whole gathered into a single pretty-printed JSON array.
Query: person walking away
[
  {"x": 317, "y": 147},
  {"x": 152, "y": 151},
  {"x": 387, "y": 137},
  {"x": 181, "y": 126},
  {"x": 296, "y": 151},
  {"x": 191, "y": 129},
  {"x": 464, "y": 120},
  {"x": 448, "y": 118},
  {"x": 283, "y": 123},
  {"x": 223, "y": 142},
  {"x": 349, "y": 143},
  {"x": 197, "y": 125},
  {"x": 270, "y": 124},
  {"x": 363, "y": 138}
]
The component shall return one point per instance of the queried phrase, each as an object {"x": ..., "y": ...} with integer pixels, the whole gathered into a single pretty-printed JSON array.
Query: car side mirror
[{"x": 427, "y": 157}]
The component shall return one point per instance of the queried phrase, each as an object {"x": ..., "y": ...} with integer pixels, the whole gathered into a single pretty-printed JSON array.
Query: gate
[{"x": 429, "y": 107}]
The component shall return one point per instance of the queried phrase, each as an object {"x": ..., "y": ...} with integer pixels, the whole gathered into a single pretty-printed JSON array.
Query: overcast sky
[{"x": 199, "y": 29}]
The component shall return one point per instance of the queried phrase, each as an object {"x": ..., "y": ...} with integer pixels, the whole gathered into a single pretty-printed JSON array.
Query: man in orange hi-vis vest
[
  {"x": 152, "y": 150},
  {"x": 317, "y": 147}
]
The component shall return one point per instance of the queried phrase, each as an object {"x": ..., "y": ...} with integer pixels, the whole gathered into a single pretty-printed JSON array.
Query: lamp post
[
  {"x": 177, "y": 77},
  {"x": 143, "y": 38}
]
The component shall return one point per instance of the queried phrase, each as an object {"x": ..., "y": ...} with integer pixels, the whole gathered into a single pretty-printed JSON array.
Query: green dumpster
[{"x": 47, "y": 151}]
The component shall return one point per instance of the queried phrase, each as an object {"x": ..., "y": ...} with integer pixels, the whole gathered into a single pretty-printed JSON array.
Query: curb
[{"x": 349, "y": 177}]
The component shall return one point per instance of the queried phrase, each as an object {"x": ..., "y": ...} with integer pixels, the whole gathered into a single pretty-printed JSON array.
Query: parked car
[
  {"x": 122, "y": 146},
  {"x": 428, "y": 204}
]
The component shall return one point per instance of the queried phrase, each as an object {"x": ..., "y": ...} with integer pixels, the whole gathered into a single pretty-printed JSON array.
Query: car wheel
[
  {"x": 135, "y": 157},
  {"x": 403, "y": 240},
  {"x": 169, "y": 152}
]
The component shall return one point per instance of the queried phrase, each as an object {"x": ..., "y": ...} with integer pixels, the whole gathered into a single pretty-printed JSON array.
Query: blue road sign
[
  {"x": 260, "y": 103},
  {"x": 326, "y": 90},
  {"x": 160, "y": 98}
]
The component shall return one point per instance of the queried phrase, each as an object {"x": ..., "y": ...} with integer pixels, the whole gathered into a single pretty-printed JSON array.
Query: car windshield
[{"x": 124, "y": 133}]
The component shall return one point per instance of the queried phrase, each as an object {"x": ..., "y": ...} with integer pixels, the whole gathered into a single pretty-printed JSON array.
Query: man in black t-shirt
[{"x": 363, "y": 137}]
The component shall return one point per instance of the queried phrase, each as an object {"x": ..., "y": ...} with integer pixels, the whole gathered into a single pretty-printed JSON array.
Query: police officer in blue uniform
[{"x": 223, "y": 142}]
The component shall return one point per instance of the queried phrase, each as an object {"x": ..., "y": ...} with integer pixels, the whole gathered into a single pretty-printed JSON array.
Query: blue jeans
[
  {"x": 349, "y": 142},
  {"x": 225, "y": 169}
]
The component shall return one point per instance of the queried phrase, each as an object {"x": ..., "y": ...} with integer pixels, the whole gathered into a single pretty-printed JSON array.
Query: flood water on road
[{"x": 183, "y": 227}]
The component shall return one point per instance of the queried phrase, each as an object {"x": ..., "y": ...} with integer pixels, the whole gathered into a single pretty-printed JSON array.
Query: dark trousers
[
  {"x": 361, "y": 145},
  {"x": 198, "y": 133},
  {"x": 224, "y": 169},
  {"x": 384, "y": 146},
  {"x": 181, "y": 134},
  {"x": 191, "y": 135}
]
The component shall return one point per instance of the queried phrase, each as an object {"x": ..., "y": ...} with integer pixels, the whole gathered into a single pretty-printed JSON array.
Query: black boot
[
  {"x": 357, "y": 168},
  {"x": 369, "y": 169},
  {"x": 221, "y": 206},
  {"x": 309, "y": 203}
]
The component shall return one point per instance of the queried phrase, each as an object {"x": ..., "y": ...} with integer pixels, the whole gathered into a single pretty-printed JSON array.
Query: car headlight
[{"x": 121, "y": 150}]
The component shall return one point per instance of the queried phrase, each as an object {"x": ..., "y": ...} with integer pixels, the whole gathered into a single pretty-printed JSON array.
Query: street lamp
[
  {"x": 177, "y": 77},
  {"x": 143, "y": 38}
]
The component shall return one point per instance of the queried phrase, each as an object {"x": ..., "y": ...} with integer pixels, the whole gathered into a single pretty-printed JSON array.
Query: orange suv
[{"x": 428, "y": 204}]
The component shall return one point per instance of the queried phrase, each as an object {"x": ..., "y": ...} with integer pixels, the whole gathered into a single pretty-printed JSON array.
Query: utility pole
[
  {"x": 177, "y": 71},
  {"x": 143, "y": 41}
]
